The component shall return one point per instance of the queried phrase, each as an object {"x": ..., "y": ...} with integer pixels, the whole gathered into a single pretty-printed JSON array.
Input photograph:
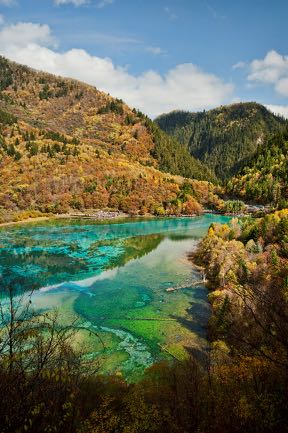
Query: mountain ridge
[
  {"x": 65, "y": 145},
  {"x": 225, "y": 137}
]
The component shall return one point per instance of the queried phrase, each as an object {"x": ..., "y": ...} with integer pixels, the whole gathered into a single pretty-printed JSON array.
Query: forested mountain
[
  {"x": 265, "y": 179},
  {"x": 224, "y": 138},
  {"x": 65, "y": 145}
]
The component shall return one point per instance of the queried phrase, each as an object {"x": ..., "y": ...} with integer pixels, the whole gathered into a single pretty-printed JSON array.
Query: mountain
[
  {"x": 265, "y": 178},
  {"x": 224, "y": 138},
  {"x": 65, "y": 145}
]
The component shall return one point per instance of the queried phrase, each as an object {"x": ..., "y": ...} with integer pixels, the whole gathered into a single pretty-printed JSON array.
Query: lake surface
[{"x": 112, "y": 277}]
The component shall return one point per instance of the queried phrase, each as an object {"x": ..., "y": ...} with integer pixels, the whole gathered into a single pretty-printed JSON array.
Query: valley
[{"x": 148, "y": 290}]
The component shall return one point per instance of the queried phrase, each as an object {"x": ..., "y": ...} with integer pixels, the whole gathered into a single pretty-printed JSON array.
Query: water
[{"x": 113, "y": 278}]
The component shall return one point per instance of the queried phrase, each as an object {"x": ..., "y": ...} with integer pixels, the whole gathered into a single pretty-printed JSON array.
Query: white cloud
[
  {"x": 104, "y": 3},
  {"x": 239, "y": 65},
  {"x": 74, "y": 2},
  {"x": 22, "y": 35},
  {"x": 272, "y": 70},
  {"x": 281, "y": 110},
  {"x": 185, "y": 86},
  {"x": 7, "y": 2}
]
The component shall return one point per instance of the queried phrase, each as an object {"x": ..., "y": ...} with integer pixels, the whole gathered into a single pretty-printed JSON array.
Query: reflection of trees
[
  {"x": 139, "y": 227},
  {"x": 136, "y": 247},
  {"x": 33, "y": 269},
  {"x": 130, "y": 248},
  {"x": 53, "y": 253},
  {"x": 182, "y": 237},
  {"x": 19, "y": 282}
]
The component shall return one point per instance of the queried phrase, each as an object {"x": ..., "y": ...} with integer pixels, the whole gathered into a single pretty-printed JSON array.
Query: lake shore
[
  {"x": 99, "y": 215},
  {"x": 111, "y": 215},
  {"x": 96, "y": 216},
  {"x": 25, "y": 221}
]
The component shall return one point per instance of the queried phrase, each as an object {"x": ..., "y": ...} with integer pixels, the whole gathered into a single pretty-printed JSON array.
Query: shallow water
[{"x": 113, "y": 276}]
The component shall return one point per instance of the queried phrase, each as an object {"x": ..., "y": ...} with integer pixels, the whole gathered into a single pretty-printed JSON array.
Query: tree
[{"x": 39, "y": 370}]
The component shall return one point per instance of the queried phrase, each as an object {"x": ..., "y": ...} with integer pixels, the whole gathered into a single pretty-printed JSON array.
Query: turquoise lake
[{"x": 112, "y": 277}]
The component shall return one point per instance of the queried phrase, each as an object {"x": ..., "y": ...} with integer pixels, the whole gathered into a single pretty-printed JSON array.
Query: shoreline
[
  {"x": 112, "y": 215},
  {"x": 96, "y": 216},
  {"x": 26, "y": 221},
  {"x": 88, "y": 217},
  {"x": 100, "y": 215}
]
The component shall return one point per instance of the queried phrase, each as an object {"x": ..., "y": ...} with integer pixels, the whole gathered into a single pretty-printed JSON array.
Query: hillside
[
  {"x": 224, "y": 138},
  {"x": 246, "y": 267},
  {"x": 265, "y": 178},
  {"x": 65, "y": 145}
]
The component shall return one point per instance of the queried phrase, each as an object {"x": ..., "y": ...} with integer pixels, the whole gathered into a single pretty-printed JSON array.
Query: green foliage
[
  {"x": 186, "y": 189},
  {"x": 224, "y": 138},
  {"x": 56, "y": 136},
  {"x": 114, "y": 106},
  {"x": 91, "y": 187},
  {"x": 265, "y": 179},
  {"x": 62, "y": 89},
  {"x": 221, "y": 315},
  {"x": 7, "y": 118},
  {"x": 45, "y": 93},
  {"x": 175, "y": 158},
  {"x": 17, "y": 156},
  {"x": 6, "y": 76},
  {"x": 233, "y": 206},
  {"x": 33, "y": 149},
  {"x": 11, "y": 151},
  {"x": 129, "y": 120},
  {"x": 139, "y": 113}
]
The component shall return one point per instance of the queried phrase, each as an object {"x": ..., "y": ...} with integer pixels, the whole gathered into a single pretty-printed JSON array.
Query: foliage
[
  {"x": 175, "y": 158},
  {"x": 233, "y": 206},
  {"x": 45, "y": 93},
  {"x": 87, "y": 150},
  {"x": 247, "y": 266},
  {"x": 224, "y": 138},
  {"x": 44, "y": 389},
  {"x": 265, "y": 179},
  {"x": 240, "y": 385},
  {"x": 114, "y": 106},
  {"x": 76, "y": 148},
  {"x": 7, "y": 118},
  {"x": 38, "y": 368},
  {"x": 6, "y": 77}
]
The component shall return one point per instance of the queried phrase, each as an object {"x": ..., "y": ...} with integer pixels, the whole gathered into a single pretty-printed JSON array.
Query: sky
[{"x": 157, "y": 55}]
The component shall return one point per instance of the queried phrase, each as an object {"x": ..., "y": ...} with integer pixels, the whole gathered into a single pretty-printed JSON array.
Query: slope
[
  {"x": 65, "y": 145},
  {"x": 265, "y": 178},
  {"x": 224, "y": 138}
]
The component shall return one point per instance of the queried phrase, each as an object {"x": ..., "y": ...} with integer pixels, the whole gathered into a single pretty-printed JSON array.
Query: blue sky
[{"x": 157, "y": 55}]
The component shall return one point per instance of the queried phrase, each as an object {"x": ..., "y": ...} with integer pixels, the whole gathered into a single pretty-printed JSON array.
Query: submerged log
[{"x": 196, "y": 283}]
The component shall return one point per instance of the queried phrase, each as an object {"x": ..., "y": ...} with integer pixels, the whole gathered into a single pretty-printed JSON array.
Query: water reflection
[{"x": 114, "y": 277}]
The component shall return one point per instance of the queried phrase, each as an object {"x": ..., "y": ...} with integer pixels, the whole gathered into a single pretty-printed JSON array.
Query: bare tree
[{"x": 39, "y": 368}]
